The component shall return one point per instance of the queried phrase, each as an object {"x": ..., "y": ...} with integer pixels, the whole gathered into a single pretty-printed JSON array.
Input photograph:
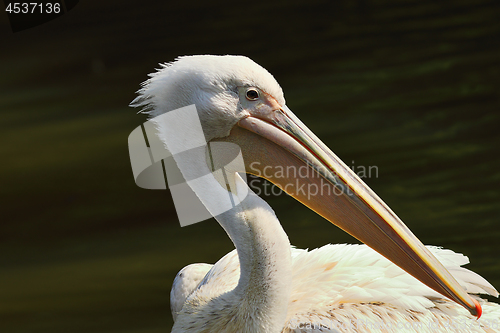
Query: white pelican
[{"x": 265, "y": 285}]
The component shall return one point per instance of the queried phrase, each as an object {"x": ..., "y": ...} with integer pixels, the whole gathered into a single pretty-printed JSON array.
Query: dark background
[{"x": 408, "y": 86}]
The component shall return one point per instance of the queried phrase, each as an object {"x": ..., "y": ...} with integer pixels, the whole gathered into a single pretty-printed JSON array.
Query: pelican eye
[{"x": 252, "y": 94}]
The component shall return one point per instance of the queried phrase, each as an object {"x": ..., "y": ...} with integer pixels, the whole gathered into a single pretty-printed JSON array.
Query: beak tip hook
[{"x": 479, "y": 310}]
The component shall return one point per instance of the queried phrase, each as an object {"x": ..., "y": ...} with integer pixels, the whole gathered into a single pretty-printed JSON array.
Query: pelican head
[
  {"x": 238, "y": 101},
  {"x": 225, "y": 89}
]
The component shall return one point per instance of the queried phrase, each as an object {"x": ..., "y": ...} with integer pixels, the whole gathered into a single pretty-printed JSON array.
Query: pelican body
[{"x": 393, "y": 283}]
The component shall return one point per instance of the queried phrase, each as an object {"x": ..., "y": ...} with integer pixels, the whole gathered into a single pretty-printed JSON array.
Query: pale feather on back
[{"x": 342, "y": 284}]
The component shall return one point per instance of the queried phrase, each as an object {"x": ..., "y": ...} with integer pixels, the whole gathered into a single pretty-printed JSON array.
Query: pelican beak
[{"x": 335, "y": 192}]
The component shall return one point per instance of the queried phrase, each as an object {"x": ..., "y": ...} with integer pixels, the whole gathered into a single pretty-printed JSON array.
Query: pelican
[{"x": 393, "y": 283}]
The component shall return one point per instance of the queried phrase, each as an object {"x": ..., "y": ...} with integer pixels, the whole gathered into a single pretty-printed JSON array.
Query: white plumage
[
  {"x": 351, "y": 288},
  {"x": 186, "y": 281},
  {"x": 336, "y": 288}
]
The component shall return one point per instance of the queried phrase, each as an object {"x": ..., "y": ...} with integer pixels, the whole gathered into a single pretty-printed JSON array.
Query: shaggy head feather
[{"x": 211, "y": 83}]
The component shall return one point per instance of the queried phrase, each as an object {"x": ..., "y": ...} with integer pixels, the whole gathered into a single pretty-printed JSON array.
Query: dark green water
[{"x": 410, "y": 87}]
